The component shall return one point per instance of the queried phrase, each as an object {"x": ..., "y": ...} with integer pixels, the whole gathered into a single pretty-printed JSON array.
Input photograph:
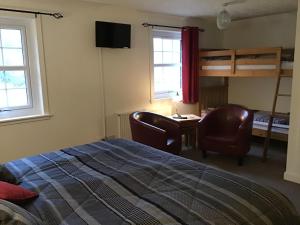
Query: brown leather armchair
[
  {"x": 156, "y": 130},
  {"x": 226, "y": 130}
]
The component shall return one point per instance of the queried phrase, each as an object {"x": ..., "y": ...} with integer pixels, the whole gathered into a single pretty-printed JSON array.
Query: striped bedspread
[{"x": 120, "y": 182}]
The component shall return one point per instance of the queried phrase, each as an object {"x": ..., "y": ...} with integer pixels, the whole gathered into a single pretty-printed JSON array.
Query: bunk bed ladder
[{"x": 274, "y": 113}]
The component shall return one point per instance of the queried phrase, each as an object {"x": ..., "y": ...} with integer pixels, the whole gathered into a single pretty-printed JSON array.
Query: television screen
[{"x": 113, "y": 35}]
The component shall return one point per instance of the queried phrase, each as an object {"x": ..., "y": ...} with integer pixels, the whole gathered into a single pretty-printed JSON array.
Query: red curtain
[{"x": 190, "y": 64}]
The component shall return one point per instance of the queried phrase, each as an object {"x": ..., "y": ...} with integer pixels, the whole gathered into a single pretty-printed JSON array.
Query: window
[
  {"x": 14, "y": 88},
  {"x": 20, "y": 73},
  {"x": 167, "y": 64}
]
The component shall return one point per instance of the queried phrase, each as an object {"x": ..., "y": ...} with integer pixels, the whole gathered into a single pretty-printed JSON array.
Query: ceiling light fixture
[{"x": 224, "y": 17}]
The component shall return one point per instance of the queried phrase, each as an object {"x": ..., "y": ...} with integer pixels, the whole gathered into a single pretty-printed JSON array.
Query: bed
[
  {"x": 254, "y": 62},
  {"x": 119, "y": 182},
  {"x": 259, "y": 62},
  {"x": 280, "y": 129}
]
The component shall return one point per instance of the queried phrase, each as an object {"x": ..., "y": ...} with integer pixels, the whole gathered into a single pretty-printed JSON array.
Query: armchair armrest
[
  {"x": 202, "y": 127},
  {"x": 156, "y": 130},
  {"x": 172, "y": 127},
  {"x": 248, "y": 122},
  {"x": 245, "y": 129},
  {"x": 149, "y": 135},
  {"x": 173, "y": 131}
]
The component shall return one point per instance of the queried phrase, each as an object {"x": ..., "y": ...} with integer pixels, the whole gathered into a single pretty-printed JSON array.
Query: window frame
[
  {"x": 38, "y": 106},
  {"x": 167, "y": 34}
]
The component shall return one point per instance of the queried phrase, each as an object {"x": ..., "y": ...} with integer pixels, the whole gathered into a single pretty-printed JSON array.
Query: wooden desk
[{"x": 188, "y": 128}]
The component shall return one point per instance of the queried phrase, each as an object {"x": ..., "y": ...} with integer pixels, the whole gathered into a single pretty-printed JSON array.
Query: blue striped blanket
[{"x": 121, "y": 182}]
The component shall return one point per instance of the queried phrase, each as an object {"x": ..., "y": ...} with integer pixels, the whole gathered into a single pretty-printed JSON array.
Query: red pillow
[{"x": 15, "y": 193}]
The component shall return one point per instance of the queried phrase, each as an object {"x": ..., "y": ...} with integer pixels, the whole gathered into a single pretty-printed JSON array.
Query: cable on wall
[{"x": 102, "y": 94}]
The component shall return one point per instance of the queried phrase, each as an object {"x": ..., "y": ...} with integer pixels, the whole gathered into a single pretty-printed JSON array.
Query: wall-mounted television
[{"x": 113, "y": 35}]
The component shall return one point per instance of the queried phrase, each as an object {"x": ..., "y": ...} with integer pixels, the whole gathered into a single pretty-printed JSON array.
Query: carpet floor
[{"x": 269, "y": 173}]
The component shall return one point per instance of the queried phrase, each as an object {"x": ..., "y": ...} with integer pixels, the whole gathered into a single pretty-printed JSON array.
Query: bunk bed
[
  {"x": 280, "y": 126},
  {"x": 258, "y": 62}
]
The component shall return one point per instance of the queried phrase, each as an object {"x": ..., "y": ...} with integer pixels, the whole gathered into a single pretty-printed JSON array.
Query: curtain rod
[
  {"x": 157, "y": 25},
  {"x": 55, "y": 15}
]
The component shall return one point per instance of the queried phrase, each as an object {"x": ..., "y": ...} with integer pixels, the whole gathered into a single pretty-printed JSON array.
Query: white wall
[
  {"x": 74, "y": 67},
  {"x": 73, "y": 85},
  {"x": 293, "y": 161},
  {"x": 269, "y": 31},
  {"x": 257, "y": 93},
  {"x": 126, "y": 73}
]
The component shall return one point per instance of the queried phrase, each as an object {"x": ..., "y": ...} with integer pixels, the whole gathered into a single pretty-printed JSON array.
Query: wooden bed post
[
  {"x": 233, "y": 62},
  {"x": 271, "y": 119},
  {"x": 273, "y": 113}
]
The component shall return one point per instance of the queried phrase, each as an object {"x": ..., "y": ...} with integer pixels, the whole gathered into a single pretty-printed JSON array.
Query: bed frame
[
  {"x": 258, "y": 131},
  {"x": 256, "y": 62}
]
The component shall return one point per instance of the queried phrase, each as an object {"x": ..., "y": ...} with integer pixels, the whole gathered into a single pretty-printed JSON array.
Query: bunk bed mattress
[
  {"x": 121, "y": 182},
  {"x": 285, "y": 65},
  {"x": 261, "y": 118}
]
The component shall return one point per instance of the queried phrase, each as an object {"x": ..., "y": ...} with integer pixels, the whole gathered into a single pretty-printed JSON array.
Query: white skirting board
[{"x": 292, "y": 177}]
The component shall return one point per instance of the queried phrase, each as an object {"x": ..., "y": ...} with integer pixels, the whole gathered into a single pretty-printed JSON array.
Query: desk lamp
[{"x": 177, "y": 99}]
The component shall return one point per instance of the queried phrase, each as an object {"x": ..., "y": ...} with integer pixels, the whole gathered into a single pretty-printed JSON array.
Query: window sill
[
  {"x": 24, "y": 119},
  {"x": 162, "y": 100},
  {"x": 166, "y": 99}
]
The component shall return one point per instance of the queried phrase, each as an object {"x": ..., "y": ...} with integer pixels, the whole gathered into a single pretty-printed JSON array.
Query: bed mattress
[
  {"x": 120, "y": 182},
  {"x": 261, "y": 118}
]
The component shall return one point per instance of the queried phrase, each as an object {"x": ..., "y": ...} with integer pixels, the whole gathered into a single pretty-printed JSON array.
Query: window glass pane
[
  {"x": 3, "y": 99},
  {"x": 1, "y": 59},
  {"x": 172, "y": 75},
  {"x": 158, "y": 79},
  {"x": 2, "y": 80},
  {"x": 11, "y": 38},
  {"x": 17, "y": 97},
  {"x": 167, "y": 79},
  {"x": 15, "y": 79},
  {"x": 167, "y": 45},
  {"x": 158, "y": 58},
  {"x": 167, "y": 58},
  {"x": 177, "y": 45},
  {"x": 13, "y": 57},
  {"x": 157, "y": 44},
  {"x": 176, "y": 58}
]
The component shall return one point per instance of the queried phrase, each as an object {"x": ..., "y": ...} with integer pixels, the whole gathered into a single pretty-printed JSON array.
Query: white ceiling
[{"x": 207, "y": 8}]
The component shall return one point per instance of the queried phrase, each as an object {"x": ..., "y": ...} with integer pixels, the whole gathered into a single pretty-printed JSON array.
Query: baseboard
[{"x": 292, "y": 177}]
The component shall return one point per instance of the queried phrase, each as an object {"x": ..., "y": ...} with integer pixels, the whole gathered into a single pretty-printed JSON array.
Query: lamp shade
[{"x": 223, "y": 20}]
